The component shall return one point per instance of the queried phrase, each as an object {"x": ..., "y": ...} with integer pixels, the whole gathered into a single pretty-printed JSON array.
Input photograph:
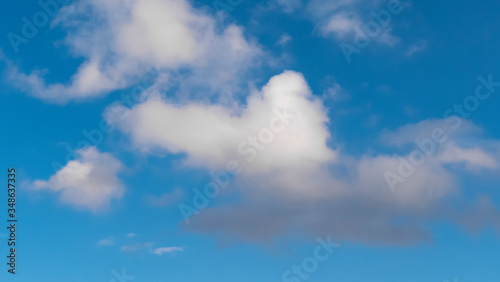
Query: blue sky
[{"x": 175, "y": 140}]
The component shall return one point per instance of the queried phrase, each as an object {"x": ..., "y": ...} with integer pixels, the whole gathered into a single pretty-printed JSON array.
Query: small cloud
[
  {"x": 336, "y": 93},
  {"x": 349, "y": 25},
  {"x": 165, "y": 199},
  {"x": 342, "y": 25},
  {"x": 167, "y": 250},
  {"x": 416, "y": 48},
  {"x": 106, "y": 242},
  {"x": 88, "y": 182},
  {"x": 136, "y": 247},
  {"x": 130, "y": 235},
  {"x": 284, "y": 39},
  {"x": 289, "y": 6}
]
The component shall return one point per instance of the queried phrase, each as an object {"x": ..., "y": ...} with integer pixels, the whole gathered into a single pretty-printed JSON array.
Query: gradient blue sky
[{"x": 428, "y": 58}]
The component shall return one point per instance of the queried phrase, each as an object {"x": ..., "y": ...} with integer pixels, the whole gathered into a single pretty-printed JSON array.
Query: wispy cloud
[
  {"x": 421, "y": 46},
  {"x": 106, "y": 242},
  {"x": 336, "y": 93},
  {"x": 137, "y": 247},
  {"x": 165, "y": 199},
  {"x": 284, "y": 39},
  {"x": 167, "y": 250}
]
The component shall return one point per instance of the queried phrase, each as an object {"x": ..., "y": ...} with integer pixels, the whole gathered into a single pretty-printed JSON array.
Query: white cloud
[
  {"x": 351, "y": 201},
  {"x": 120, "y": 39},
  {"x": 130, "y": 235},
  {"x": 409, "y": 133},
  {"x": 297, "y": 182},
  {"x": 89, "y": 182},
  {"x": 463, "y": 144},
  {"x": 211, "y": 134},
  {"x": 472, "y": 157},
  {"x": 289, "y": 5},
  {"x": 167, "y": 250},
  {"x": 346, "y": 19},
  {"x": 342, "y": 25},
  {"x": 106, "y": 242}
]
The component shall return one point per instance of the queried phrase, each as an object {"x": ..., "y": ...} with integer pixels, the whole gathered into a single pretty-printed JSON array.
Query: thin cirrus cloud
[{"x": 110, "y": 36}]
